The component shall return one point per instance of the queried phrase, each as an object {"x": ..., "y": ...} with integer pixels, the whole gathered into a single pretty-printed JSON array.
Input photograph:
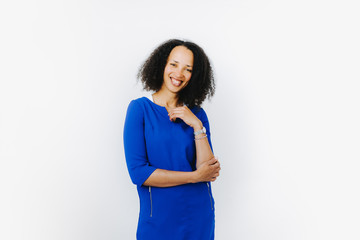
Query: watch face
[{"x": 203, "y": 130}]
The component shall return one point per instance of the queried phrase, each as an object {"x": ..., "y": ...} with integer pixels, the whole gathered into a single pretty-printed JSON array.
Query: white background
[{"x": 285, "y": 117}]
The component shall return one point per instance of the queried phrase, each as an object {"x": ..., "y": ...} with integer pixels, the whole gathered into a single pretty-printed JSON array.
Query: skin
[{"x": 177, "y": 74}]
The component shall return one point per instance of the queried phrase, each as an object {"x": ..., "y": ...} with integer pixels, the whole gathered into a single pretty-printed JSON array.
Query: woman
[{"x": 167, "y": 145}]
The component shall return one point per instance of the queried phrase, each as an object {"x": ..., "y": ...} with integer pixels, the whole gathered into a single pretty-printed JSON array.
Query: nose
[{"x": 179, "y": 73}]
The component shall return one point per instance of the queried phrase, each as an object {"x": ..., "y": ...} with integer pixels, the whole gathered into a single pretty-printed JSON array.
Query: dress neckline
[
  {"x": 160, "y": 108},
  {"x": 151, "y": 99}
]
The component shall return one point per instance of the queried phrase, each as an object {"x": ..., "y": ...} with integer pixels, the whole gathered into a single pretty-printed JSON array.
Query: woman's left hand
[{"x": 187, "y": 116}]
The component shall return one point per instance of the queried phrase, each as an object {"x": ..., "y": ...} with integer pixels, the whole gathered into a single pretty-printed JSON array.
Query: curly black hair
[{"x": 201, "y": 84}]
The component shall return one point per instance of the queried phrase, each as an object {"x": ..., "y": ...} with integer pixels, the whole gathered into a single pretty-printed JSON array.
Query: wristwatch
[{"x": 203, "y": 130}]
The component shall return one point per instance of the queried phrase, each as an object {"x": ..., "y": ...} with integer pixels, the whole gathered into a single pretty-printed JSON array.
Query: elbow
[
  {"x": 135, "y": 181},
  {"x": 140, "y": 176},
  {"x": 138, "y": 181}
]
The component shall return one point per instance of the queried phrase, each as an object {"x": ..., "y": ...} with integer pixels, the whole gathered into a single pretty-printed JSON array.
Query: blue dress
[{"x": 151, "y": 141}]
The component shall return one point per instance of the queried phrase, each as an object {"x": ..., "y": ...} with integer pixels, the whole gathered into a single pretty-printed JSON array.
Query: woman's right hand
[{"x": 208, "y": 171}]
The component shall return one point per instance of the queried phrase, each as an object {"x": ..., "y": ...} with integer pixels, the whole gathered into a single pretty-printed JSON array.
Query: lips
[{"x": 176, "y": 82}]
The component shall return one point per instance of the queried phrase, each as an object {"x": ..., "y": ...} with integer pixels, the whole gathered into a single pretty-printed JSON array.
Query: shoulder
[
  {"x": 137, "y": 105},
  {"x": 138, "y": 102},
  {"x": 199, "y": 112}
]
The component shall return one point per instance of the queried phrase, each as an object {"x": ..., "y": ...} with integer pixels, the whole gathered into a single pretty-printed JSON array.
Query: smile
[{"x": 176, "y": 82}]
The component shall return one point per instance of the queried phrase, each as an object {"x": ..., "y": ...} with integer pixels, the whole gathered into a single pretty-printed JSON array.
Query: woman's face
[{"x": 178, "y": 69}]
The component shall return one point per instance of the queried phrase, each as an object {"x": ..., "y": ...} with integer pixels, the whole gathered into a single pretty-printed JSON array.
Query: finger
[
  {"x": 179, "y": 109},
  {"x": 214, "y": 176},
  {"x": 174, "y": 115},
  {"x": 171, "y": 115},
  {"x": 216, "y": 170},
  {"x": 178, "y": 115},
  {"x": 216, "y": 165},
  {"x": 176, "y": 108},
  {"x": 212, "y": 161},
  {"x": 173, "y": 119}
]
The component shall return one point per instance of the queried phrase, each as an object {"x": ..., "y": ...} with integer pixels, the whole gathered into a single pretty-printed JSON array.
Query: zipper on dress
[
  {"x": 150, "y": 201},
  {"x": 212, "y": 208}
]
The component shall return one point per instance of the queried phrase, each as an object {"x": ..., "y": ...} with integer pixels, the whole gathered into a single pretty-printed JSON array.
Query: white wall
[{"x": 285, "y": 117}]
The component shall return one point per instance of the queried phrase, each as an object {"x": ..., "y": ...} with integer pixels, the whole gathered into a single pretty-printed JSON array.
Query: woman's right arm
[
  {"x": 141, "y": 172},
  {"x": 166, "y": 178}
]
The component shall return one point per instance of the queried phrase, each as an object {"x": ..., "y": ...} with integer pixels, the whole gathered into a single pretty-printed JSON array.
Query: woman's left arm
[{"x": 203, "y": 149}]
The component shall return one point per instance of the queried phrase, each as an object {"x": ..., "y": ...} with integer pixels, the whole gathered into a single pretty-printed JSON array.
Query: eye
[
  {"x": 172, "y": 64},
  {"x": 189, "y": 70}
]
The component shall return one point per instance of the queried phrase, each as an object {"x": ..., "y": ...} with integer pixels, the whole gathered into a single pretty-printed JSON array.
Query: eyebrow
[{"x": 178, "y": 62}]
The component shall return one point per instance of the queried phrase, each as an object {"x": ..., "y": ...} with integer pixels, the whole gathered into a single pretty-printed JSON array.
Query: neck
[{"x": 166, "y": 99}]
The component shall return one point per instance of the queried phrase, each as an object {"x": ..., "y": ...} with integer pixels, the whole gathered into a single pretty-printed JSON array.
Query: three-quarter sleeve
[{"x": 134, "y": 145}]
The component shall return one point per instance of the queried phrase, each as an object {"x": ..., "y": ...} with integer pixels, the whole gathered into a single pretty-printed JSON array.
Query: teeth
[{"x": 176, "y": 82}]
